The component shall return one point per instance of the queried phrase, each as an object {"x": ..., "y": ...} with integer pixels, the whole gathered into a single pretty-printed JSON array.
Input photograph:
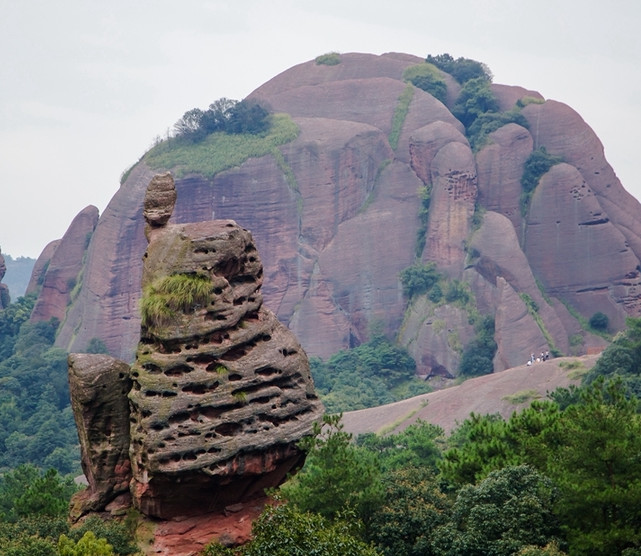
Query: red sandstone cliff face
[
  {"x": 65, "y": 267},
  {"x": 333, "y": 246}
]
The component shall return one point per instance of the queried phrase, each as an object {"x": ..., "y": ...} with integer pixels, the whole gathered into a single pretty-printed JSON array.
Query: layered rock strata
[
  {"x": 221, "y": 389},
  {"x": 220, "y": 393}
]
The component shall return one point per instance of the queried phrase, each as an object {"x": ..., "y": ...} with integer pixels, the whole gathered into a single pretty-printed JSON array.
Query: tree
[
  {"x": 285, "y": 530},
  {"x": 413, "y": 507},
  {"x": 599, "y": 321},
  {"x": 622, "y": 358},
  {"x": 336, "y": 476},
  {"x": 476, "y": 98},
  {"x": 511, "y": 509},
  {"x": 461, "y": 69},
  {"x": 414, "y": 447},
  {"x": 478, "y": 356},
  {"x": 593, "y": 457},
  {"x": 418, "y": 279},
  {"x": 88, "y": 545}
]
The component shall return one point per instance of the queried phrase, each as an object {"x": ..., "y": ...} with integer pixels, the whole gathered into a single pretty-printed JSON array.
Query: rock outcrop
[
  {"x": 65, "y": 267},
  {"x": 220, "y": 392},
  {"x": 336, "y": 213},
  {"x": 99, "y": 385}
]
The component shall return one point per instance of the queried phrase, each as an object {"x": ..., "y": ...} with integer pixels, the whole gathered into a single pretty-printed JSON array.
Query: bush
[
  {"x": 418, "y": 279},
  {"x": 599, "y": 321},
  {"x": 476, "y": 98},
  {"x": 488, "y": 122},
  {"x": 538, "y": 163},
  {"x": 427, "y": 78},
  {"x": 457, "y": 291},
  {"x": 478, "y": 356},
  {"x": 461, "y": 69},
  {"x": 329, "y": 59},
  {"x": 220, "y": 151}
]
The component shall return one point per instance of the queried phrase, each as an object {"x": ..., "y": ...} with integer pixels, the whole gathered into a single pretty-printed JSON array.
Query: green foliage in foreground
[
  {"x": 220, "y": 151},
  {"x": 285, "y": 530},
  {"x": 33, "y": 519},
  {"x": 337, "y": 475},
  {"x": 511, "y": 508},
  {"x": 374, "y": 373}
]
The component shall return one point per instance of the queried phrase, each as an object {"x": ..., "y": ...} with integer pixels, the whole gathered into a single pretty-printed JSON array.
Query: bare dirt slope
[{"x": 482, "y": 395}]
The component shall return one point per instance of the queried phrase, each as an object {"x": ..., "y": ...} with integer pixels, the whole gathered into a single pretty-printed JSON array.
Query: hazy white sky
[{"x": 86, "y": 85}]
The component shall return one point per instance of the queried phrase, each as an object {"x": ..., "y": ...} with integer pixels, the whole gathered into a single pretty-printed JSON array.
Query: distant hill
[
  {"x": 503, "y": 393},
  {"x": 18, "y": 274}
]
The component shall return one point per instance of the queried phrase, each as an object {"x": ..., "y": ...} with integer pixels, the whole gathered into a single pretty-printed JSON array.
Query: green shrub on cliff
[
  {"x": 461, "y": 69},
  {"x": 178, "y": 292},
  {"x": 538, "y": 163},
  {"x": 329, "y": 59},
  {"x": 428, "y": 78}
]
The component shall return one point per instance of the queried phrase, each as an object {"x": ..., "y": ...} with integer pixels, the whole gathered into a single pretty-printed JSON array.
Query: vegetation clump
[
  {"x": 425, "y": 195},
  {"x": 328, "y": 59},
  {"x": 400, "y": 113},
  {"x": 418, "y": 279},
  {"x": 478, "y": 355},
  {"x": 461, "y": 69},
  {"x": 428, "y": 78},
  {"x": 374, "y": 373},
  {"x": 220, "y": 150},
  {"x": 169, "y": 294},
  {"x": 537, "y": 164},
  {"x": 223, "y": 115}
]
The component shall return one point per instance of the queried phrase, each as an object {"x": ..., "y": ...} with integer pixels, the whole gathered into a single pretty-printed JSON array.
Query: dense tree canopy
[{"x": 223, "y": 115}]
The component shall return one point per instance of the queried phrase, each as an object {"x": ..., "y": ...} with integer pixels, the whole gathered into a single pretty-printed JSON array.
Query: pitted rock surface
[
  {"x": 99, "y": 385},
  {"x": 221, "y": 391},
  {"x": 159, "y": 200}
]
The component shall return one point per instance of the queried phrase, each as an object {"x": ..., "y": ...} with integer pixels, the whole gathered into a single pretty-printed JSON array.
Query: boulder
[
  {"x": 98, "y": 385},
  {"x": 222, "y": 391}
]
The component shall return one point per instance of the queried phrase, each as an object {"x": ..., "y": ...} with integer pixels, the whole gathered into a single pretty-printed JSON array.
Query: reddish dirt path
[{"x": 482, "y": 395}]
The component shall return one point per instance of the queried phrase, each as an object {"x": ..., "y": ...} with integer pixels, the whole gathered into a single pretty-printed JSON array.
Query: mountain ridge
[{"x": 336, "y": 213}]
